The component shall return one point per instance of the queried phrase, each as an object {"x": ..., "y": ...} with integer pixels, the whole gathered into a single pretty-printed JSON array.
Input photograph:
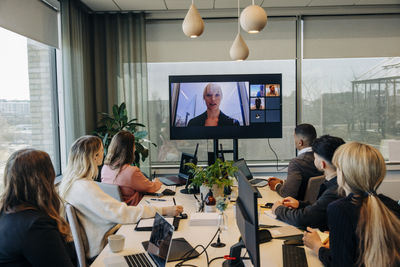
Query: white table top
[{"x": 270, "y": 252}]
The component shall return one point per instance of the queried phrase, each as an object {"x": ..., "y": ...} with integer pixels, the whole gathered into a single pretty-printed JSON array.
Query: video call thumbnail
[{"x": 257, "y": 103}]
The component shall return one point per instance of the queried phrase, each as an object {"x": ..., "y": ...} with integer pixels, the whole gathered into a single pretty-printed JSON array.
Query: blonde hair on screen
[{"x": 363, "y": 170}]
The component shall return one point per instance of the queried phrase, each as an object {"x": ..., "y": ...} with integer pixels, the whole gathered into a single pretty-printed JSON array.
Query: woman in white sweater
[{"x": 98, "y": 212}]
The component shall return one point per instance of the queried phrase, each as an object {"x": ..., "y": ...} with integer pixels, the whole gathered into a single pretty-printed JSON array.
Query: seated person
[
  {"x": 213, "y": 116},
  {"x": 117, "y": 170},
  {"x": 98, "y": 212},
  {"x": 32, "y": 232},
  {"x": 301, "y": 168},
  {"x": 303, "y": 213},
  {"x": 272, "y": 91},
  {"x": 364, "y": 227}
]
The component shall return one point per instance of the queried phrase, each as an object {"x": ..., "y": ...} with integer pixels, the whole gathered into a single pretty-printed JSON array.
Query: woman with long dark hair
[{"x": 32, "y": 232}]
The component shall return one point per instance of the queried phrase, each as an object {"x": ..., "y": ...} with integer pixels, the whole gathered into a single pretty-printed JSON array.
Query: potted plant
[
  {"x": 110, "y": 124},
  {"x": 215, "y": 177}
]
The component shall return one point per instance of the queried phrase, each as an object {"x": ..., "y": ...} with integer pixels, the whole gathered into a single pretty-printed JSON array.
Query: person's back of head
[
  {"x": 306, "y": 132},
  {"x": 120, "y": 151},
  {"x": 29, "y": 184},
  {"x": 361, "y": 169},
  {"x": 81, "y": 162},
  {"x": 325, "y": 147}
]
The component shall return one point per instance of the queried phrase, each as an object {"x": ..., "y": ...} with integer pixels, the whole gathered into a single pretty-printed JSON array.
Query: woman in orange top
[{"x": 117, "y": 170}]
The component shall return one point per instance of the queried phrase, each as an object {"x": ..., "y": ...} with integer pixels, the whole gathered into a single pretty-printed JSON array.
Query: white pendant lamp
[
  {"x": 253, "y": 18},
  {"x": 239, "y": 50},
  {"x": 193, "y": 25}
]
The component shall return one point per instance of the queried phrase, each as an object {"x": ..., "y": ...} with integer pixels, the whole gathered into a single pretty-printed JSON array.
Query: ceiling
[{"x": 215, "y": 5}]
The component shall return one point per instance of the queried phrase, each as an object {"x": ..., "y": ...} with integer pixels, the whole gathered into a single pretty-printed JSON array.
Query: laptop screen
[
  {"x": 160, "y": 240},
  {"x": 242, "y": 166},
  {"x": 184, "y": 169}
]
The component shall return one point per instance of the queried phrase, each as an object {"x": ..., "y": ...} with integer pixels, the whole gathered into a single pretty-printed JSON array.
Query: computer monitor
[
  {"x": 247, "y": 222},
  {"x": 247, "y": 106}
]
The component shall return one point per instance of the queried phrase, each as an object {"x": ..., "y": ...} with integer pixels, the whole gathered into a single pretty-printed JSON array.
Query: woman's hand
[
  {"x": 291, "y": 202},
  {"x": 172, "y": 210},
  {"x": 312, "y": 240}
]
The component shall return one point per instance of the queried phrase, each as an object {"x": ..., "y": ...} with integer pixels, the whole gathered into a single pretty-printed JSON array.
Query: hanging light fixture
[
  {"x": 239, "y": 50},
  {"x": 193, "y": 25},
  {"x": 253, "y": 18}
]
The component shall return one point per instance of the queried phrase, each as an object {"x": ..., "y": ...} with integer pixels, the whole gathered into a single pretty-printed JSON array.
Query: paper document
[
  {"x": 285, "y": 231},
  {"x": 270, "y": 214},
  {"x": 149, "y": 222}
]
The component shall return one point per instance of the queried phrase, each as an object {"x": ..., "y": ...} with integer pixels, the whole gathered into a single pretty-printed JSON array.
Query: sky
[{"x": 14, "y": 80}]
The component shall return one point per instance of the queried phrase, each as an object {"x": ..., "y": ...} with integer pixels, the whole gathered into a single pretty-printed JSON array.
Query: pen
[
  {"x": 157, "y": 199},
  {"x": 174, "y": 201}
]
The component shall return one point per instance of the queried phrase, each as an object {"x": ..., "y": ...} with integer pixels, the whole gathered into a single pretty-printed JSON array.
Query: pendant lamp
[
  {"x": 193, "y": 25},
  {"x": 253, "y": 18},
  {"x": 239, "y": 50}
]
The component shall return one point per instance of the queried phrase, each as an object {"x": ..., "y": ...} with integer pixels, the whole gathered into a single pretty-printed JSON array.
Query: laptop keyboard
[
  {"x": 138, "y": 260},
  {"x": 294, "y": 256}
]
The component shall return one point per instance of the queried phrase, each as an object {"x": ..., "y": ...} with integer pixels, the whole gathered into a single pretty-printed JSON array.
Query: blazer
[
  {"x": 131, "y": 181},
  {"x": 343, "y": 216},
  {"x": 300, "y": 169},
  {"x": 222, "y": 120},
  {"x": 313, "y": 215},
  {"x": 31, "y": 238}
]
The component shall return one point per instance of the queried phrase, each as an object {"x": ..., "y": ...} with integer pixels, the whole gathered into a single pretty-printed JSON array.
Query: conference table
[{"x": 270, "y": 252}]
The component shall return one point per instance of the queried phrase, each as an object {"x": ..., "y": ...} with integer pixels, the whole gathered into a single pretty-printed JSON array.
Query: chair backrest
[
  {"x": 111, "y": 189},
  {"x": 76, "y": 234},
  {"x": 313, "y": 186}
]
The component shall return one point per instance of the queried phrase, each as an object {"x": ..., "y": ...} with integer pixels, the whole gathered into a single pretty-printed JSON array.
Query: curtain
[{"x": 104, "y": 59}]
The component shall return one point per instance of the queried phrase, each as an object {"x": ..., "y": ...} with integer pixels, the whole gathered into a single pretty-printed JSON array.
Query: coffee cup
[{"x": 116, "y": 242}]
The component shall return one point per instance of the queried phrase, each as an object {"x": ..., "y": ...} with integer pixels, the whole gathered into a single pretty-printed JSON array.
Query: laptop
[
  {"x": 160, "y": 249},
  {"x": 184, "y": 171},
  {"x": 242, "y": 166}
]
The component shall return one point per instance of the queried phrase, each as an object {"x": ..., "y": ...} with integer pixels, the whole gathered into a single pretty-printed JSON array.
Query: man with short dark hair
[
  {"x": 301, "y": 168},
  {"x": 303, "y": 213}
]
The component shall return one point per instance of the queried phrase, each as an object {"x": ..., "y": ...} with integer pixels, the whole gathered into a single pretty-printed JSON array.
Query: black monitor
[
  {"x": 247, "y": 222},
  {"x": 247, "y": 105}
]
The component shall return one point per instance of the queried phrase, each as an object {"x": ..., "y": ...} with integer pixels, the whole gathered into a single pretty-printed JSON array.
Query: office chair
[
  {"x": 111, "y": 189},
  {"x": 313, "y": 188},
  {"x": 77, "y": 232}
]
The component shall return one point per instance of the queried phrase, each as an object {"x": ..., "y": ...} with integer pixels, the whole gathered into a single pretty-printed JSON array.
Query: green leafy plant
[
  {"x": 110, "y": 124},
  {"x": 218, "y": 174}
]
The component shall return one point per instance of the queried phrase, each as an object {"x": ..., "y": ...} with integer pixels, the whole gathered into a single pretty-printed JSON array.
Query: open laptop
[
  {"x": 160, "y": 249},
  {"x": 242, "y": 166},
  {"x": 184, "y": 171}
]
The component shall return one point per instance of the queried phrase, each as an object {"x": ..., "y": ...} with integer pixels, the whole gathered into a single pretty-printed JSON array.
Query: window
[
  {"x": 28, "y": 99},
  {"x": 251, "y": 149},
  {"x": 354, "y": 98}
]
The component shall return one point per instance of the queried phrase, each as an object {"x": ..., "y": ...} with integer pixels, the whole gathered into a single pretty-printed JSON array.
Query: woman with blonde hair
[
  {"x": 32, "y": 233},
  {"x": 364, "y": 227},
  {"x": 98, "y": 212},
  {"x": 117, "y": 169}
]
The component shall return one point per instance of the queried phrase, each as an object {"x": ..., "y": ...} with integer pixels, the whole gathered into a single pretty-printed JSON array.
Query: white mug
[{"x": 116, "y": 242}]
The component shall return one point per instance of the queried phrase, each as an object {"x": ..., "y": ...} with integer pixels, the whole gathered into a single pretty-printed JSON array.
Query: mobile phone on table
[{"x": 268, "y": 205}]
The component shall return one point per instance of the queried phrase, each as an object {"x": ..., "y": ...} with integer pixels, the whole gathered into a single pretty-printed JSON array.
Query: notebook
[
  {"x": 159, "y": 249},
  {"x": 184, "y": 171}
]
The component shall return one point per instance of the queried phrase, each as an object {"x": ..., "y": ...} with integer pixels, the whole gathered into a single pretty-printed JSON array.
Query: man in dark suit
[
  {"x": 301, "y": 168},
  {"x": 303, "y": 213}
]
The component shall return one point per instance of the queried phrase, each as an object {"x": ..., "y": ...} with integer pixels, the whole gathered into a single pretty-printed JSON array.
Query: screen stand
[
  {"x": 218, "y": 153},
  {"x": 235, "y": 253}
]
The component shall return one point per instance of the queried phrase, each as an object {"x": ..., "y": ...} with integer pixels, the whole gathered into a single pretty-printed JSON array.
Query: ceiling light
[
  {"x": 193, "y": 25},
  {"x": 253, "y": 18},
  {"x": 239, "y": 50}
]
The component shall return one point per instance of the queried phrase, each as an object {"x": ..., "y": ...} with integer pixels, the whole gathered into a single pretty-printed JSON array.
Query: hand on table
[
  {"x": 291, "y": 202},
  {"x": 273, "y": 181},
  {"x": 172, "y": 210},
  {"x": 312, "y": 240},
  {"x": 276, "y": 204}
]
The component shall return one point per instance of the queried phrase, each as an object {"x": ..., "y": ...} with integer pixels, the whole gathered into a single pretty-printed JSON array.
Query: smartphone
[{"x": 268, "y": 205}]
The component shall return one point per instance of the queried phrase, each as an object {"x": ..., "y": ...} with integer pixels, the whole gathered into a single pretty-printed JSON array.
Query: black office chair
[{"x": 313, "y": 186}]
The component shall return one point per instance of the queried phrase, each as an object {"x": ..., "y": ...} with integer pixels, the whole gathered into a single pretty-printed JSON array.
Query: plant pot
[{"x": 217, "y": 191}]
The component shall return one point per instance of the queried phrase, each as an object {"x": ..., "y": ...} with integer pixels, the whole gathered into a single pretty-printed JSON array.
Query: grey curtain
[{"x": 104, "y": 59}]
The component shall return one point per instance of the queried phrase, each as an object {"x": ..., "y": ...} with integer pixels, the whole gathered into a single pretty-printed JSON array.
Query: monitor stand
[
  {"x": 219, "y": 153},
  {"x": 235, "y": 251}
]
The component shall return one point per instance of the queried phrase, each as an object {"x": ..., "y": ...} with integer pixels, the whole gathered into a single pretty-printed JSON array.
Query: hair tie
[{"x": 370, "y": 193}]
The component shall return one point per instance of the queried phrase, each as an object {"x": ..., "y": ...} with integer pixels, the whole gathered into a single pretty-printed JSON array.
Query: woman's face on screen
[{"x": 213, "y": 97}]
